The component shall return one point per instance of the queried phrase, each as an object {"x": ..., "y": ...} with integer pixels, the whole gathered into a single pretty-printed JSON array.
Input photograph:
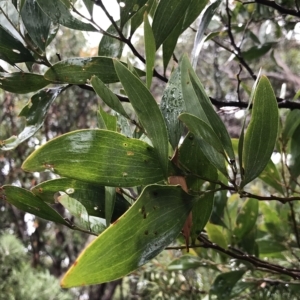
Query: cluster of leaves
[{"x": 138, "y": 182}]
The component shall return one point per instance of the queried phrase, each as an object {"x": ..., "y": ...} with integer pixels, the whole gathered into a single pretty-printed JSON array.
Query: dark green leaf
[
  {"x": 80, "y": 70},
  {"x": 170, "y": 43},
  {"x": 205, "y": 19},
  {"x": 149, "y": 50},
  {"x": 257, "y": 51},
  {"x": 151, "y": 224},
  {"x": 28, "y": 202},
  {"x": 166, "y": 17},
  {"x": 110, "y": 46},
  {"x": 147, "y": 111},
  {"x": 294, "y": 163},
  {"x": 87, "y": 155},
  {"x": 35, "y": 112},
  {"x": 128, "y": 8},
  {"x": 59, "y": 13},
  {"x": 36, "y": 23},
  {"x": 91, "y": 196},
  {"x": 193, "y": 12},
  {"x": 224, "y": 284},
  {"x": 137, "y": 19},
  {"x": 261, "y": 134},
  {"x": 202, "y": 130},
  {"x": 12, "y": 50},
  {"x": 213, "y": 118},
  {"x": 246, "y": 218},
  {"x": 22, "y": 83}
]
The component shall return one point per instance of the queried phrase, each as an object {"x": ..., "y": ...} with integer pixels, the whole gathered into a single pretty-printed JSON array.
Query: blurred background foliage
[{"x": 34, "y": 253}]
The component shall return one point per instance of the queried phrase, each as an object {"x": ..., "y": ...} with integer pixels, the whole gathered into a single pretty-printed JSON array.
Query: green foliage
[{"x": 150, "y": 172}]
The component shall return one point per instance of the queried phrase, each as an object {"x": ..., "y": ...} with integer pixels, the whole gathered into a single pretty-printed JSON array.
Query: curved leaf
[
  {"x": 261, "y": 134},
  {"x": 59, "y": 13},
  {"x": 28, "y": 202},
  {"x": 147, "y": 111},
  {"x": 80, "y": 70},
  {"x": 291, "y": 123},
  {"x": 35, "y": 112},
  {"x": 149, "y": 50},
  {"x": 22, "y": 83},
  {"x": 166, "y": 16},
  {"x": 36, "y": 22},
  {"x": 151, "y": 224},
  {"x": 91, "y": 196},
  {"x": 11, "y": 49},
  {"x": 98, "y": 156}
]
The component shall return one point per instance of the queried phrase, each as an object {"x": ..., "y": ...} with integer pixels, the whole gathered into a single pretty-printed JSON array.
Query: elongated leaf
[
  {"x": 80, "y": 70},
  {"x": 261, "y": 134},
  {"x": 149, "y": 50},
  {"x": 147, "y": 111},
  {"x": 257, "y": 51},
  {"x": 22, "y": 83},
  {"x": 108, "y": 96},
  {"x": 28, "y": 202},
  {"x": 166, "y": 17},
  {"x": 172, "y": 105},
  {"x": 98, "y": 156},
  {"x": 106, "y": 120},
  {"x": 152, "y": 223},
  {"x": 205, "y": 19},
  {"x": 35, "y": 112},
  {"x": 246, "y": 218},
  {"x": 91, "y": 196},
  {"x": 269, "y": 247},
  {"x": 193, "y": 12},
  {"x": 294, "y": 163},
  {"x": 36, "y": 22},
  {"x": 214, "y": 120},
  {"x": 170, "y": 43},
  {"x": 110, "y": 46},
  {"x": 138, "y": 17},
  {"x": 203, "y": 130},
  {"x": 224, "y": 284},
  {"x": 59, "y": 13},
  {"x": 271, "y": 176},
  {"x": 128, "y": 8},
  {"x": 11, "y": 49}
]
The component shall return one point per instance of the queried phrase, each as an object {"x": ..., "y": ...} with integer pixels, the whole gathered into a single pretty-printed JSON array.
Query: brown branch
[
  {"x": 279, "y": 8},
  {"x": 256, "y": 262},
  {"x": 269, "y": 198}
]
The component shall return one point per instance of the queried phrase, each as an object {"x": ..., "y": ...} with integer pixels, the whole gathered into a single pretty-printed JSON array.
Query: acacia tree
[{"x": 154, "y": 173}]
